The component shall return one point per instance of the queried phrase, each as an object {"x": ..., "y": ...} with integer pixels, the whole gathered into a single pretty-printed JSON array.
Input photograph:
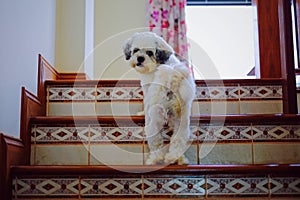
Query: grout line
[
  {"x": 269, "y": 186},
  {"x": 95, "y": 104},
  {"x": 252, "y": 145},
  {"x": 79, "y": 187},
  {"x": 89, "y": 145},
  {"x": 47, "y": 101},
  {"x": 143, "y": 187}
]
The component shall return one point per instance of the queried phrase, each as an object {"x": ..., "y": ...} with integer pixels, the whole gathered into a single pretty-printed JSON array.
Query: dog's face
[{"x": 145, "y": 51}]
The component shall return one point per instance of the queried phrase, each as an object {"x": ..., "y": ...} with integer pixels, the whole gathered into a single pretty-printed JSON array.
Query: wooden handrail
[{"x": 283, "y": 169}]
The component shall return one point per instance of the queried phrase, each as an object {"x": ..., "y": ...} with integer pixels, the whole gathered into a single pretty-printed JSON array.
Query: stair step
[
  {"x": 164, "y": 182},
  {"x": 124, "y": 97},
  {"x": 233, "y": 139}
]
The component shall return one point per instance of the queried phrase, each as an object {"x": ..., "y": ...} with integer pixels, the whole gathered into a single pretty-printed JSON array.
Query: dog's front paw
[
  {"x": 174, "y": 159},
  {"x": 170, "y": 158},
  {"x": 141, "y": 113},
  {"x": 182, "y": 160},
  {"x": 154, "y": 159}
]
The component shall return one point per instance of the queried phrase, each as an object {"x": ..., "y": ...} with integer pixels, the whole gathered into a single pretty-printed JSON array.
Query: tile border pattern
[
  {"x": 237, "y": 92},
  {"x": 204, "y": 132},
  {"x": 141, "y": 186},
  {"x": 91, "y": 135}
]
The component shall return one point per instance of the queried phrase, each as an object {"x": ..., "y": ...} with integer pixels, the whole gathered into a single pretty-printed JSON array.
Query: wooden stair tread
[
  {"x": 282, "y": 169},
  {"x": 239, "y": 118},
  {"x": 137, "y": 82}
]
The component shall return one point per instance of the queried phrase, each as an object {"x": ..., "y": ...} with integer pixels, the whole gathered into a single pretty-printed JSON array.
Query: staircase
[{"x": 83, "y": 139}]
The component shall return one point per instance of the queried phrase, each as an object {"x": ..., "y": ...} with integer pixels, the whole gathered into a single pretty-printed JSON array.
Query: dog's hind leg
[
  {"x": 154, "y": 124},
  {"x": 179, "y": 141}
]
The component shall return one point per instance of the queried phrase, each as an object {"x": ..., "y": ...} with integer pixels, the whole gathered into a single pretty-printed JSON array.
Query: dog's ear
[
  {"x": 162, "y": 56},
  {"x": 126, "y": 49},
  {"x": 163, "y": 45}
]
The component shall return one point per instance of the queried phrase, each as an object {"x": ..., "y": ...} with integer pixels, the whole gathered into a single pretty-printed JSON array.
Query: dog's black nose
[{"x": 140, "y": 59}]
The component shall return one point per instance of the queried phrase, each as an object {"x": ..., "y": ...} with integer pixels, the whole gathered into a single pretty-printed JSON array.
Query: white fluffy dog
[{"x": 168, "y": 89}]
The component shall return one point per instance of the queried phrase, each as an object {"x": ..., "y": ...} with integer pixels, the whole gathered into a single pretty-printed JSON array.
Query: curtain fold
[{"x": 167, "y": 19}]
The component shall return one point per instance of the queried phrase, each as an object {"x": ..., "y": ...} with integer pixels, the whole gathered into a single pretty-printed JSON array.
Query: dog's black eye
[
  {"x": 135, "y": 50},
  {"x": 149, "y": 53}
]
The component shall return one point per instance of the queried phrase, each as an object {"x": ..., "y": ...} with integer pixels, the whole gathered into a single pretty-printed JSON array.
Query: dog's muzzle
[{"x": 140, "y": 60}]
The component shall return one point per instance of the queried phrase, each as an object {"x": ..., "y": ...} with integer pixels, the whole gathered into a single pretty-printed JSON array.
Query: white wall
[
  {"x": 70, "y": 35},
  {"x": 115, "y": 21},
  {"x": 27, "y": 29}
]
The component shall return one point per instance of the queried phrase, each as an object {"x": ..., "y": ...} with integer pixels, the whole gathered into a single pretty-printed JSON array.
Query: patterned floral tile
[
  {"x": 237, "y": 186},
  {"x": 158, "y": 186},
  {"x": 280, "y": 186},
  {"x": 269, "y": 91},
  {"x": 40, "y": 134},
  {"x": 276, "y": 132},
  {"x": 221, "y": 92},
  {"x": 103, "y": 187},
  {"x": 99, "y": 133},
  {"x": 119, "y": 93},
  {"x": 39, "y": 187},
  {"x": 71, "y": 93},
  {"x": 92, "y": 133},
  {"x": 174, "y": 186},
  {"x": 217, "y": 92},
  {"x": 207, "y": 132}
]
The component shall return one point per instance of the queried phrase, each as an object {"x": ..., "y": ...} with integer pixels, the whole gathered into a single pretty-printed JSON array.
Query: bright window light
[{"x": 221, "y": 41}]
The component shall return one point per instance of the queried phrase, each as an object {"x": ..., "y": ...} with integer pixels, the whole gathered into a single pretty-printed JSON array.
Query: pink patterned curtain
[{"x": 167, "y": 19}]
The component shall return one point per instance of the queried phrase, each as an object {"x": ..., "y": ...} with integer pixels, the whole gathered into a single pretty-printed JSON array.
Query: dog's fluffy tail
[
  {"x": 172, "y": 77},
  {"x": 181, "y": 73}
]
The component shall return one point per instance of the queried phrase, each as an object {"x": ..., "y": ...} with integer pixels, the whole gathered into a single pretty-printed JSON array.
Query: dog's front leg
[{"x": 154, "y": 124}]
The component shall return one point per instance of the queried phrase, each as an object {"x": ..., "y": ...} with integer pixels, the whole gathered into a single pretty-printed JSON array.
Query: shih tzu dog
[{"x": 168, "y": 89}]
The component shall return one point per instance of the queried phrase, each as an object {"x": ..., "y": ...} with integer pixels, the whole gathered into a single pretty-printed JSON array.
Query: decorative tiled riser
[
  {"x": 96, "y": 145},
  {"x": 125, "y": 101},
  {"x": 157, "y": 186}
]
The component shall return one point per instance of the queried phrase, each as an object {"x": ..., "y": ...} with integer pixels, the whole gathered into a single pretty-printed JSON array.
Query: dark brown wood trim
[
  {"x": 30, "y": 106},
  {"x": 293, "y": 119},
  {"x": 47, "y": 72},
  {"x": 267, "y": 39},
  {"x": 136, "y": 83},
  {"x": 287, "y": 57},
  {"x": 297, "y": 15},
  {"x": 106, "y": 171},
  {"x": 11, "y": 153},
  {"x": 74, "y": 76}
]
